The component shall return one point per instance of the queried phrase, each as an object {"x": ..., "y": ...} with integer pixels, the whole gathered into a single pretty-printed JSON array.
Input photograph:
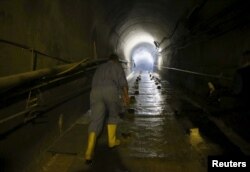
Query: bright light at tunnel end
[
  {"x": 134, "y": 39},
  {"x": 143, "y": 55}
]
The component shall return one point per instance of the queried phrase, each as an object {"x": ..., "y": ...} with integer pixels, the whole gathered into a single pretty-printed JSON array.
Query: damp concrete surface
[{"x": 154, "y": 134}]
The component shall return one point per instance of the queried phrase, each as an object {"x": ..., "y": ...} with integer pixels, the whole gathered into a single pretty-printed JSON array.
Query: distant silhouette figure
[
  {"x": 241, "y": 81},
  {"x": 238, "y": 92}
]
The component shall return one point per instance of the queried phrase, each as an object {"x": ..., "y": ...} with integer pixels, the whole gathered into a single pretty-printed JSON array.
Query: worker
[
  {"x": 108, "y": 82},
  {"x": 241, "y": 83},
  {"x": 237, "y": 95}
]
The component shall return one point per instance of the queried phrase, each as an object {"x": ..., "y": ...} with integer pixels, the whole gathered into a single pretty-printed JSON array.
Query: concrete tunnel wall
[
  {"x": 62, "y": 29},
  {"x": 216, "y": 51},
  {"x": 219, "y": 57},
  {"x": 69, "y": 30},
  {"x": 72, "y": 31}
]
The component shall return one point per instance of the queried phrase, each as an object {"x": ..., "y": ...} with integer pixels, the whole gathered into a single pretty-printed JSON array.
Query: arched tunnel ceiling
[
  {"x": 154, "y": 20},
  {"x": 38, "y": 90},
  {"x": 137, "y": 21},
  {"x": 143, "y": 21}
]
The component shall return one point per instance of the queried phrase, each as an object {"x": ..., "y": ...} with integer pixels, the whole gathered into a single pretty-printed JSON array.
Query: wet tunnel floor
[{"x": 154, "y": 137}]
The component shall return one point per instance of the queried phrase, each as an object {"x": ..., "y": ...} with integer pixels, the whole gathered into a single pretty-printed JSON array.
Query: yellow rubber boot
[
  {"x": 112, "y": 136},
  {"x": 90, "y": 147}
]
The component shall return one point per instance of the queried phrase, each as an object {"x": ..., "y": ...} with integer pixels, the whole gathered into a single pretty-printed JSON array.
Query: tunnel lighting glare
[
  {"x": 130, "y": 76},
  {"x": 134, "y": 39},
  {"x": 160, "y": 62},
  {"x": 158, "y": 97},
  {"x": 159, "y": 50},
  {"x": 156, "y": 75},
  {"x": 143, "y": 55}
]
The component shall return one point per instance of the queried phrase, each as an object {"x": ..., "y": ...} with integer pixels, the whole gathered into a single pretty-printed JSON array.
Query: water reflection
[
  {"x": 149, "y": 101},
  {"x": 156, "y": 133},
  {"x": 149, "y": 122}
]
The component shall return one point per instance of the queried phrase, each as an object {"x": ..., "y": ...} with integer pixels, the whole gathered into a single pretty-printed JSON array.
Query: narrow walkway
[{"x": 153, "y": 138}]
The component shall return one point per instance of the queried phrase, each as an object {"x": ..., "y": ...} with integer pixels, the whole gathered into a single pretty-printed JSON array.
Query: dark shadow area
[
  {"x": 239, "y": 121},
  {"x": 208, "y": 129},
  {"x": 3, "y": 164},
  {"x": 232, "y": 112},
  {"x": 107, "y": 160}
]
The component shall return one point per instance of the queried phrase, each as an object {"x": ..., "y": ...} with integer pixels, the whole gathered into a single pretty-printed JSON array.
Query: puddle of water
[
  {"x": 155, "y": 132},
  {"x": 149, "y": 125}
]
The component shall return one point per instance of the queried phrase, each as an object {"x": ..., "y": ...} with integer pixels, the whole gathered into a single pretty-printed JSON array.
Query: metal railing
[
  {"x": 34, "y": 53},
  {"x": 196, "y": 73},
  {"x": 40, "y": 79},
  {"x": 9, "y": 82}
]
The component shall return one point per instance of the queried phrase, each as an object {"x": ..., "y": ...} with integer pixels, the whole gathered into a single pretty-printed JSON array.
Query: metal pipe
[
  {"x": 28, "y": 118},
  {"x": 33, "y": 50},
  {"x": 9, "y": 82},
  {"x": 196, "y": 73},
  {"x": 85, "y": 67},
  {"x": 13, "y": 116}
]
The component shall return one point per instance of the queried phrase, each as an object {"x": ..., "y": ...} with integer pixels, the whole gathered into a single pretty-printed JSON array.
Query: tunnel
[{"x": 180, "y": 58}]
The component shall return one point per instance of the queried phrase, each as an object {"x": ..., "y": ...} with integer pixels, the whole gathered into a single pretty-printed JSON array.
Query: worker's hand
[{"x": 126, "y": 100}]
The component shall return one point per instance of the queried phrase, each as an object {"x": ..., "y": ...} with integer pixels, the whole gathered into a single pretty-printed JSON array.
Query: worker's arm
[
  {"x": 122, "y": 82},
  {"x": 125, "y": 96}
]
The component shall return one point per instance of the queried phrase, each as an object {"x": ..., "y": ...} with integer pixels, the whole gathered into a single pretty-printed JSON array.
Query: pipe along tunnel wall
[
  {"x": 205, "y": 37},
  {"x": 40, "y": 116}
]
